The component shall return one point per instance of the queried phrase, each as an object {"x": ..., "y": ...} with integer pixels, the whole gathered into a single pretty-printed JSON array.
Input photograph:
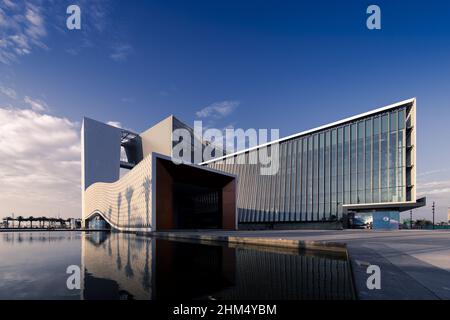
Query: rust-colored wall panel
[
  {"x": 229, "y": 205},
  {"x": 168, "y": 173}
]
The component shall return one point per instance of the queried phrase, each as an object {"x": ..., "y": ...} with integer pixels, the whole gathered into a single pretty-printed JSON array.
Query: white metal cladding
[
  {"x": 127, "y": 203},
  {"x": 368, "y": 159}
]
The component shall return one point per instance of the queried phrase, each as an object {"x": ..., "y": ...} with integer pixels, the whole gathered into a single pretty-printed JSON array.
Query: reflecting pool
[{"x": 125, "y": 266}]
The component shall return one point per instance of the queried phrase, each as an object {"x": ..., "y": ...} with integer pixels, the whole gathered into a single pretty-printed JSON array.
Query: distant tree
[
  {"x": 7, "y": 221},
  {"x": 422, "y": 223},
  {"x": 20, "y": 219},
  {"x": 406, "y": 224},
  {"x": 31, "y": 218},
  {"x": 44, "y": 219}
]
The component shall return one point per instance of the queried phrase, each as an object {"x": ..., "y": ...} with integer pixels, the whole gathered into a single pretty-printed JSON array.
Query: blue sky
[{"x": 269, "y": 64}]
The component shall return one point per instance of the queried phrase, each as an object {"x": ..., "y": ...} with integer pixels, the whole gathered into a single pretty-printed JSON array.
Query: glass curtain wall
[{"x": 354, "y": 163}]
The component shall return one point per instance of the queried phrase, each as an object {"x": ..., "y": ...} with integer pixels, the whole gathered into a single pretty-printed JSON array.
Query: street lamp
[
  {"x": 410, "y": 219},
  {"x": 433, "y": 214}
]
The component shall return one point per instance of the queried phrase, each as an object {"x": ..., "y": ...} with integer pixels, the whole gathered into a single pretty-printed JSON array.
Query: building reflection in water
[{"x": 126, "y": 266}]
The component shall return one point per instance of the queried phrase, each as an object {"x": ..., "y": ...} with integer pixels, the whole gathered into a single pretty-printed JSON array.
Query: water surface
[{"x": 125, "y": 266}]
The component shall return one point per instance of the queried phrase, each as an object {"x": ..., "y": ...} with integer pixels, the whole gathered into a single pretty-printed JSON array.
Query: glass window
[
  {"x": 321, "y": 172},
  {"x": 277, "y": 182},
  {"x": 346, "y": 165},
  {"x": 293, "y": 187},
  {"x": 353, "y": 164},
  {"x": 360, "y": 162},
  {"x": 376, "y": 125},
  {"x": 401, "y": 119},
  {"x": 304, "y": 177},
  {"x": 384, "y": 194},
  {"x": 384, "y": 123},
  {"x": 272, "y": 187},
  {"x": 298, "y": 208},
  {"x": 316, "y": 164},
  {"x": 384, "y": 157},
  {"x": 310, "y": 177},
  {"x": 401, "y": 158},
  {"x": 327, "y": 172},
  {"x": 287, "y": 208},
  {"x": 333, "y": 172},
  {"x": 376, "y": 160},
  {"x": 369, "y": 128},
  {"x": 361, "y": 151},
  {"x": 282, "y": 194},
  {"x": 393, "y": 145},
  {"x": 368, "y": 162},
  {"x": 340, "y": 170},
  {"x": 393, "y": 121}
]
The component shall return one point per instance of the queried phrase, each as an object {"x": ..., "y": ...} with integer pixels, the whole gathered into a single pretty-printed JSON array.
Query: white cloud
[
  {"x": 22, "y": 28},
  {"x": 40, "y": 171},
  {"x": 127, "y": 100},
  {"x": 35, "y": 23},
  {"x": 36, "y": 105},
  {"x": 218, "y": 109},
  {"x": 114, "y": 124},
  {"x": 435, "y": 190},
  {"x": 119, "y": 125},
  {"x": 434, "y": 187},
  {"x": 11, "y": 93},
  {"x": 9, "y": 4},
  {"x": 121, "y": 52}
]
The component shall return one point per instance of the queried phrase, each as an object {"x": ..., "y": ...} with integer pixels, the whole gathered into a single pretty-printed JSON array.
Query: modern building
[
  {"x": 360, "y": 170},
  {"x": 155, "y": 193},
  {"x": 364, "y": 166}
]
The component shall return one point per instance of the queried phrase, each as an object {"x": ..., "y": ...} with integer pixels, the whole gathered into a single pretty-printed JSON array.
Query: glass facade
[{"x": 364, "y": 161}]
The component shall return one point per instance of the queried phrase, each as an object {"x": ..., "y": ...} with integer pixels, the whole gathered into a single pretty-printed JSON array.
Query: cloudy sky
[{"x": 290, "y": 65}]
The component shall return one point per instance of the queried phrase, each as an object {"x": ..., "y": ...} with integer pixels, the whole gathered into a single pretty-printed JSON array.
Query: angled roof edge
[
  {"x": 106, "y": 124},
  {"x": 302, "y": 133}
]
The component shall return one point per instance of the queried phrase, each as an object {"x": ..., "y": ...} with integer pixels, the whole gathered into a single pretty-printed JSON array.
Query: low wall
[{"x": 328, "y": 225}]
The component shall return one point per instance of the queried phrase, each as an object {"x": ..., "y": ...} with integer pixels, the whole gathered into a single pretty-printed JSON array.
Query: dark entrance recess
[
  {"x": 189, "y": 197},
  {"x": 197, "y": 206}
]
